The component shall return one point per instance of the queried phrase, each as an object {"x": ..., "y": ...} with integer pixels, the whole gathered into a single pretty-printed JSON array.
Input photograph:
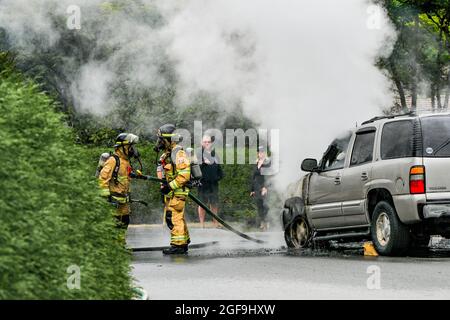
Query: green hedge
[{"x": 50, "y": 215}]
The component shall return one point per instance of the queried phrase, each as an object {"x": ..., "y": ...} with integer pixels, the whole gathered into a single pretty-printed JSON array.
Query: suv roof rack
[{"x": 410, "y": 113}]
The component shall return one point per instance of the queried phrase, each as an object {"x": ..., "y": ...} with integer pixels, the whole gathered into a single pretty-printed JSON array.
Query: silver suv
[{"x": 388, "y": 180}]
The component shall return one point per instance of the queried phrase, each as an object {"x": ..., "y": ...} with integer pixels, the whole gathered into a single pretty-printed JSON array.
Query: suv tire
[
  {"x": 298, "y": 233},
  {"x": 389, "y": 235}
]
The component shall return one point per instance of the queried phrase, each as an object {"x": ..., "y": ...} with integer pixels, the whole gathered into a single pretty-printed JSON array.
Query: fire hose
[{"x": 208, "y": 211}]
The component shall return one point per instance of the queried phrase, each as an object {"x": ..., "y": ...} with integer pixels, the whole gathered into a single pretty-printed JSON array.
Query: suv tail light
[{"x": 417, "y": 179}]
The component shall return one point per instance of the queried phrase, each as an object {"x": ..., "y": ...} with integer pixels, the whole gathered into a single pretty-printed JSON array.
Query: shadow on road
[{"x": 356, "y": 250}]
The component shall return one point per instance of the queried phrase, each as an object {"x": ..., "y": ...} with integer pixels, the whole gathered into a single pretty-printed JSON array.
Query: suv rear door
[
  {"x": 356, "y": 176},
  {"x": 436, "y": 156}
]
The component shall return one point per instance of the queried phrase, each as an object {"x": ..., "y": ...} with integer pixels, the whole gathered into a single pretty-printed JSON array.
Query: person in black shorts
[{"x": 212, "y": 173}]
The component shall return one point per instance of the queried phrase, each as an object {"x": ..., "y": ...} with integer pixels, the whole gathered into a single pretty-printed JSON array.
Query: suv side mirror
[{"x": 309, "y": 165}]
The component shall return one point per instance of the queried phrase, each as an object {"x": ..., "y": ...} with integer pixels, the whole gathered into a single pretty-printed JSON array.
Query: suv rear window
[
  {"x": 397, "y": 139},
  {"x": 436, "y": 136}
]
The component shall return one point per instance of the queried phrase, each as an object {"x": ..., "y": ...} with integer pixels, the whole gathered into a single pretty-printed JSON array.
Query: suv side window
[
  {"x": 397, "y": 139},
  {"x": 334, "y": 157},
  {"x": 363, "y": 148}
]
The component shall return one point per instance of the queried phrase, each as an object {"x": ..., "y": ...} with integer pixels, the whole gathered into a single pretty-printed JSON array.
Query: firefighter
[
  {"x": 114, "y": 179},
  {"x": 177, "y": 173}
]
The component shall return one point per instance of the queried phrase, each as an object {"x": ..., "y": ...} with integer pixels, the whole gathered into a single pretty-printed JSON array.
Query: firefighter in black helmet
[{"x": 177, "y": 172}]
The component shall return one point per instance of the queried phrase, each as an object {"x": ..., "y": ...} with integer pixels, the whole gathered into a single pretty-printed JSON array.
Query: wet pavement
[{"x": 234, "y": 268}]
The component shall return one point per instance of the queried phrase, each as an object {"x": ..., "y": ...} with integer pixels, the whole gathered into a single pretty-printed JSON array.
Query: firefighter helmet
[
  {"x": 167, "y": 131},
  {"x": 166, "y": 135},
  {"x": 124, "y": 139}
]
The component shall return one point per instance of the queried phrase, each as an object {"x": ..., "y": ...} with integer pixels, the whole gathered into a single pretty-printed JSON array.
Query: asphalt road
[{"x": 238, "y": 269}]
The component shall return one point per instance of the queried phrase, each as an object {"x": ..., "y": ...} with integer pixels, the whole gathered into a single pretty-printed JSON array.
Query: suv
[{"x": 388, "y": 180}]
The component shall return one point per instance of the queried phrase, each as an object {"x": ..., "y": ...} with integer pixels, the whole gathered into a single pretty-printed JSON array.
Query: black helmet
[
  {"x": 167, "y": 131},
  {"x": 124, "y": 139},
  {"x": 166, "y": 134}
]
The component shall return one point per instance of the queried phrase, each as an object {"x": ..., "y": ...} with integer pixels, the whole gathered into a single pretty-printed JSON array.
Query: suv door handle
[
  {"x": 364, "y": 176},
  {"x": 337, "y": 180}
]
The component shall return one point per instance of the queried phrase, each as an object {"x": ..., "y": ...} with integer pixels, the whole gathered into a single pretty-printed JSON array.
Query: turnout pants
[
  {"x": 174, "y": 212},
  {"x": 123, "y": 220},
  {"x": 123, "y": 215}
]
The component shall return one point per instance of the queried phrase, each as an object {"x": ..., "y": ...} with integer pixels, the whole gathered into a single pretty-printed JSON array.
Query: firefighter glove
[{"x": 165, "y": 188}]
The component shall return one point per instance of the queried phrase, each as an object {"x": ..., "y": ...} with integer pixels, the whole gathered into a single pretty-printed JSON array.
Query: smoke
[
  {"x": 28, "y": 24},
  {"x": 115, "y": 58},
  {"x": 305, "y": 68},
  {"x": 90, "y": 89}
]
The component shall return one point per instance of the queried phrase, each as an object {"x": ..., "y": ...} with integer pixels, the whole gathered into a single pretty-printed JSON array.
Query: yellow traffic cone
[{"x": 369, "y": 250}]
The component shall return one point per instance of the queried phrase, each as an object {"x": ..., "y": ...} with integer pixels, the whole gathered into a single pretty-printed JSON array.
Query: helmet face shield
[{"x": 133, "y": 139}]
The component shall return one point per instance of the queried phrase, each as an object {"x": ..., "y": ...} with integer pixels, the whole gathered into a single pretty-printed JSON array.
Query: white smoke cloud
[
  {"x": 308, "y": 67},
  {"x": 91, "y": 88},
  {"x": 24, "y": 21}
]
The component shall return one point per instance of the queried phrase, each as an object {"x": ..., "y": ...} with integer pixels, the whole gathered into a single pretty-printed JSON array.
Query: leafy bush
[{"x": 51, "y": 216}]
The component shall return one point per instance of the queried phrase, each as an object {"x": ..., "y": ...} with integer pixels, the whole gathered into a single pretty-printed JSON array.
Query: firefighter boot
[{"x": 176, "y": 250}]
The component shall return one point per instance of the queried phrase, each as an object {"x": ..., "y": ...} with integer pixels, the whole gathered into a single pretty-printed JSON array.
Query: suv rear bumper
[
  {"x": 436, "y": 210},
  {"x": 414, "y": 208}
]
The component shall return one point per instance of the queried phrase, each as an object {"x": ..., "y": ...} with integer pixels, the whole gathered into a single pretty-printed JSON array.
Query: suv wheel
[
  {"x": 298, "y": 233},
  {"x": 389, "y": 235}
]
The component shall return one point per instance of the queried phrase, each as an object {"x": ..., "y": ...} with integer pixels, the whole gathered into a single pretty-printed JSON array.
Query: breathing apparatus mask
[
  {"x": 166, "y": 135},
  {"x": 160, "y": 145},
  {"x": 127, "y": 142},
  {"x": 133, "y": 153}
]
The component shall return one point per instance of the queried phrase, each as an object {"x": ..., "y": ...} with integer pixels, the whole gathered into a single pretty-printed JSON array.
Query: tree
[{"x": 421, "y": 52}]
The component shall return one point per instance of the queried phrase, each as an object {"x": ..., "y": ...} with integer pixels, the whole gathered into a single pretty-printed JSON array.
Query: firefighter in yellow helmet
[
  {"x": 177, "y": 172},
  {"x": 114, "y": 178}
]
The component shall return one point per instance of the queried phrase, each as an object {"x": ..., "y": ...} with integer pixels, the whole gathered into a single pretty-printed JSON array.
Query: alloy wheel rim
[
  {"x": 300, "y": 233},
  {"x": 383, "y": 228}
]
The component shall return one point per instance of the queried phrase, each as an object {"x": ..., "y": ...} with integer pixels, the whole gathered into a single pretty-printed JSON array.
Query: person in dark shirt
[
  {"x": 259, "y": 189},
  {"x": 212, "y": 174}
]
